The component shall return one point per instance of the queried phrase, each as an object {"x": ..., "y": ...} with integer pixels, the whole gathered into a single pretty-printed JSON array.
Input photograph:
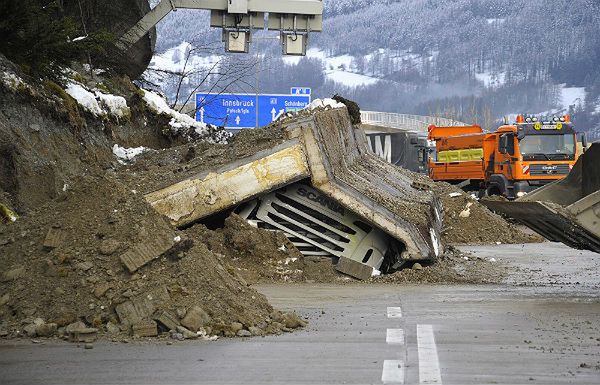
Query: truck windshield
[{"x": 548, "y": 147}]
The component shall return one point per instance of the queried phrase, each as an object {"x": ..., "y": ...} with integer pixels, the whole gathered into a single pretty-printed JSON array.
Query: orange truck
[{"x": 514, "y": 160}]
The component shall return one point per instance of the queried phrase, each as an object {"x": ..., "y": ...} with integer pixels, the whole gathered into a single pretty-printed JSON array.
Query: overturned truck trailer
[
  {"x": 326, "y": 191},
  {"x": 567, "y": 210}
]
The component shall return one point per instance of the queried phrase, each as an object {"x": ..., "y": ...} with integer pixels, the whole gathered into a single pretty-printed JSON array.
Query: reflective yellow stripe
[{"x": 465, "y": 155}]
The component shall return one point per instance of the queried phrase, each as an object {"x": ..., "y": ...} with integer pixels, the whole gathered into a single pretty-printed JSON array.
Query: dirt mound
[
  {"x": 47, "y": 138},
  {"x": 353, "y": 108},
  {"x": 62, "y": 263},
  {"x": 466, "y": 221},
  {"x": 158, "y": 169},
  {"x": 455, "y": 267},
  {"x": 262, "y": 256}
]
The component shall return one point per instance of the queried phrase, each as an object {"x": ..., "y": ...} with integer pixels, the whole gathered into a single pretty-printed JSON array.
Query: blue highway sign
[
  {"x": 300, "y": 91},
  {"x": 235, "y": 111}
]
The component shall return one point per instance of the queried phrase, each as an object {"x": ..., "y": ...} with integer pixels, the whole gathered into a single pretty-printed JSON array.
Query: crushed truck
[
  {"x": 512, "y": 161},
  {"x": 566, "y": 210},
  {"x": 326, "y": 191}
]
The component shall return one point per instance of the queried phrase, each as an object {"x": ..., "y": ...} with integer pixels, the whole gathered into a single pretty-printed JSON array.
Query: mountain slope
[{"x": 437, "y": 56}]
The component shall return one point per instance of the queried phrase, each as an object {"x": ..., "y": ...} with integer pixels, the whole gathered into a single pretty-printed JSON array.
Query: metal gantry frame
[{"x": 294, "y": 19}]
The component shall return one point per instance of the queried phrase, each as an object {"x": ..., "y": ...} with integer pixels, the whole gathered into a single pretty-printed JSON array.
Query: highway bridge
[{"x": 405, "y": 122}]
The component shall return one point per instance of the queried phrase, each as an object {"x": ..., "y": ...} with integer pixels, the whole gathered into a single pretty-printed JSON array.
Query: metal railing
[{"x": 405, "y": 121}]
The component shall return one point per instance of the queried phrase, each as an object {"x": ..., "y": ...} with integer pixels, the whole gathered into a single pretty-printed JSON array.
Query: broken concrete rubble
[
  {"x": 195, "y": 319},
  {"x": 145, "y": 252},
  {"x": 325, "y": 147},
  {"x": 79, "y": 332},
  {"x": 217, "y": 190},
  {"x": 131, "y": 312},
  {"x": 144, "y": 329},
  {"x": 54, "y": 238},
  {"x": 168, "y": 320},
  {"x": 354, "y": 268}
]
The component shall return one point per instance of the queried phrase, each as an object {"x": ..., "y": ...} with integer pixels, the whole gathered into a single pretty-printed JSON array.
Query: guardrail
[{"x": 405, "y": 121}]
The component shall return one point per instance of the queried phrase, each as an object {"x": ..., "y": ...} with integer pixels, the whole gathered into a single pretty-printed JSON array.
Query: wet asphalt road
[{"x": 541, "y": 327}]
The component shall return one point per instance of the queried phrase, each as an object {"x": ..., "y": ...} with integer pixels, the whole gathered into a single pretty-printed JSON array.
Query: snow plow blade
[
  {"x": 567, "y": 210},
  {"x": 324, "y": 151}
]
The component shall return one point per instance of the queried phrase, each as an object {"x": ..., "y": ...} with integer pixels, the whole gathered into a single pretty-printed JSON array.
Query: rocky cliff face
[{"x": 117, "y": 17}]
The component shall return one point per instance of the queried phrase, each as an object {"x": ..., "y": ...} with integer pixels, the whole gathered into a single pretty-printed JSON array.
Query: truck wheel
[{"x": 493, "y": 190}]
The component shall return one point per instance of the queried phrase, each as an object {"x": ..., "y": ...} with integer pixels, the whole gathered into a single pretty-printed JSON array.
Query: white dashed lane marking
[
  {"x": 393, "y": 372},
  {"x": 394, "y": 312},
  {"x": 429, "y": 365},
  {"x": 395, "y": 336}
]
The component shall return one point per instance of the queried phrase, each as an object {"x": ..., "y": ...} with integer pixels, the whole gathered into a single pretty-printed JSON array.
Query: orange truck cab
[{"x": 512, "y": 161}]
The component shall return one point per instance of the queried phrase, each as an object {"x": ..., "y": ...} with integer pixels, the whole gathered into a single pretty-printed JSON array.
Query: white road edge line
[
  {"x": 393, "y": 372},
  {"x": 395, "y": 336},
  {"x": 429, "y": 364},
  {"x": 394, "y": 312}
]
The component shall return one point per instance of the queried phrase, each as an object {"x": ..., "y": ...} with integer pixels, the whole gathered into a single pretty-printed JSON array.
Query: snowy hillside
[{"x": 458, "y": 58}]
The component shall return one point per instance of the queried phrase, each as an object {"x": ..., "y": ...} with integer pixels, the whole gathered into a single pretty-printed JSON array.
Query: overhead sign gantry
[{"x": 294, "y": 19}]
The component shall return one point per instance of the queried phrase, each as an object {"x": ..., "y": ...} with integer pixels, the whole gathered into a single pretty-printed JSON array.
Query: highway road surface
[{"x": 540, "y": 327}]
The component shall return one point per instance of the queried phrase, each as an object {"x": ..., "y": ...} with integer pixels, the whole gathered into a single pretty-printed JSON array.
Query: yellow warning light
[
  {"x": 537, "y": 125},
  {"x": 559, "y": 126}
]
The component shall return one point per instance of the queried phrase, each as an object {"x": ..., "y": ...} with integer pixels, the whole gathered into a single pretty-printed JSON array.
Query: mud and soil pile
[
  {"x": 466, "y": 221},
  {"x": 154, "y": 170},
  {"x": 82, "y": 215},
  {"x": 62, "y": 265},
  {"x": 455, "y": 267}
]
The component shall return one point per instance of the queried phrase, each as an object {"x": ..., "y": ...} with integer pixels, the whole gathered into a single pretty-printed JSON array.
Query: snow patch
[
  {"x": 181, "y": 121},
  {"x": 496, "y": 21},
  {"x": 597, "y": 109},
  {"x": 350, "y": 79},
  {"x": 115, "y": 105},
  {"x": 572, "y": 96},
  {"x": 173, "y": 59},
  {"x": 127, "y": 154},
  {"x": 96, "y": 71},
  {"x": 97, "y": 102},
  {"x": 491, "y": 79},
  {"x": 12, "y": 81},
  {"x": 324, "y": 103},
  {"x": 85, "y": 98},
  {"x": 339, "y": 69}
]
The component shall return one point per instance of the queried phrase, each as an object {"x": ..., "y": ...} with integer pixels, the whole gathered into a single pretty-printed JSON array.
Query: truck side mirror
[
  {"x": 584, "y": 142},
  {"x": 502, "y": 144}
]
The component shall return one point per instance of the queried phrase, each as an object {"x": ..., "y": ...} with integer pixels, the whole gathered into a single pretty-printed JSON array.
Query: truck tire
[
  {"x": 493, "y": 190},
  {"x": 498, "y": 185}
]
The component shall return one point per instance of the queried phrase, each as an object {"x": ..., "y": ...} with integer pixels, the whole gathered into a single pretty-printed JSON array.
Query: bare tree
[{"x": 222, "y": 75}]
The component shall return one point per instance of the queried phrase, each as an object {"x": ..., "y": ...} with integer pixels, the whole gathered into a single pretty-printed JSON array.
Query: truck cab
[
  {"x": 511, "y": 161},
  {"x": 529, "y": 154}
]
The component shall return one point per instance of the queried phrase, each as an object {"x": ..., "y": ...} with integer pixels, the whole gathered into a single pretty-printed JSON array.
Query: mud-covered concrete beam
[{"x": 208, "y": 193}]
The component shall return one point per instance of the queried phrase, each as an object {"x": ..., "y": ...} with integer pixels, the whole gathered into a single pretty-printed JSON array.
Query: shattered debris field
[{"x": 88, "y": 257}]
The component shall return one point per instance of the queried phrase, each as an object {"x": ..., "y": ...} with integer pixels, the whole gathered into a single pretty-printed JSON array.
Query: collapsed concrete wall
[{"x": 325, "y": 147}]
